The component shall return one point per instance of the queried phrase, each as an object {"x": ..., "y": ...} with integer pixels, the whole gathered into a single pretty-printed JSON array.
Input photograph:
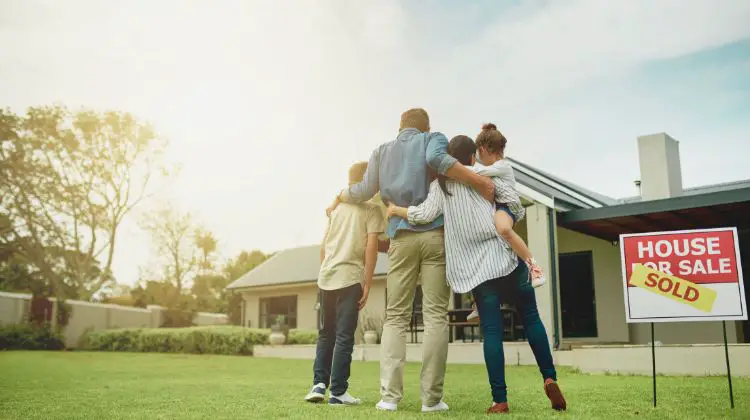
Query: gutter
[{"x": 553, "y": 276}]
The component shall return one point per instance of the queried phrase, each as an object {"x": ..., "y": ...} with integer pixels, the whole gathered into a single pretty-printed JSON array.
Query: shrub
[
  {"x": 198, "y": 340},
  {"x": 302, "y": 337},
  {"x": 176, "y": 318},
  {"x": 30, "y": 337}
]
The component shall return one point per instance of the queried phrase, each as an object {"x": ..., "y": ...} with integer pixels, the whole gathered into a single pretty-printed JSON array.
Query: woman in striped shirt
[{"x": 478, "y": 260}]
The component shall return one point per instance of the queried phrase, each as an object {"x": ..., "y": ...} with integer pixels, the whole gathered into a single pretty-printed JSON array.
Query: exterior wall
[
  {"x": 610, "y": 305},
  {"x": 697, "y": 360},
  {"x": 538, "y": 241},
  {"x": 94, "y": 316},
  {"x": 13, "y": 307},
  {"x": 307, "y": 296},
  {"x": 683, "y": 333},
  {"x": 208, "y": 318}
]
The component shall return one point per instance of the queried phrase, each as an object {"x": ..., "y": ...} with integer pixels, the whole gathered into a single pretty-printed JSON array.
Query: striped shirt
[{"x": 474, "y": 252}]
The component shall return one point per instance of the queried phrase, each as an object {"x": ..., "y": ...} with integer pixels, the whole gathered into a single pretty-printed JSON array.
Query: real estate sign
[{"x": 689, "y": 275}]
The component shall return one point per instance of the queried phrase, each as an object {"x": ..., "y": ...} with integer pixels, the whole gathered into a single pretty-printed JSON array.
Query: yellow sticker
[{"x": 675, "y": 288}]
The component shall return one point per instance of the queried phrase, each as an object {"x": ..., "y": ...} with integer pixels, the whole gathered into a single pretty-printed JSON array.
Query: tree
[
  {"x": 173, "y": 238},
  {"x": 67, "y": 181},
  {"x": 206, "y": 243},
  {"x": 233, "y": 270}
]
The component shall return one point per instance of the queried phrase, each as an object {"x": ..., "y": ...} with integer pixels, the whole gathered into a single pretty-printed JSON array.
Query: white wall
[{"x": 14, "y": 309}]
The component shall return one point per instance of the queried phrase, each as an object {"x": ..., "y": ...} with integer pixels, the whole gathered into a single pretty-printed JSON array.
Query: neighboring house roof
[{"x": 295, "y": 265}]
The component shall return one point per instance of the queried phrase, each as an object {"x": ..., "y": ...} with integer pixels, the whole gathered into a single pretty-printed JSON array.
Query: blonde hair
[
  {"x": 491, "y": 139},
  {"x": 415, "y": 118},
  {"x": 357, "y": 172}
]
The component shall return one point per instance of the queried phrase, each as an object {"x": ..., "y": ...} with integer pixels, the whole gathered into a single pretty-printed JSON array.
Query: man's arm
[
  {"x": 445, "y": 164},
  {"x": 370, "y": 185}
]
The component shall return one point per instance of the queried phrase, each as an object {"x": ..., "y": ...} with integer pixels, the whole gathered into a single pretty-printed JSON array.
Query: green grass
[{"x": 67, "y": 385}]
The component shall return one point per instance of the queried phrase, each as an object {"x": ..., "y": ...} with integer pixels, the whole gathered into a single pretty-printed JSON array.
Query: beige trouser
[{"x": 411, "y": 256}]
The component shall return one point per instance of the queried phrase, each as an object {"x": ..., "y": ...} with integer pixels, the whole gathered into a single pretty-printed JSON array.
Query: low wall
[
  {"x": 14, "y": 308},
  {"x": 696, "y": 360}
]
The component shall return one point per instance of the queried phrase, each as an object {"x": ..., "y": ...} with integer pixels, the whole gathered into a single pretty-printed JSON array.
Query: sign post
[
  {"x": 683, "y": 276},
  {"x": 653, "y": 361}
]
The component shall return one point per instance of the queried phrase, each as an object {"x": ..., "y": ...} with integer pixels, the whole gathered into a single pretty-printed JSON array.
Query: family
[{"x": 451, "y": 207}]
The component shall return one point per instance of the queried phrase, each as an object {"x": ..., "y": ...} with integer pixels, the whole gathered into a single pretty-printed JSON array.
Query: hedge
[
  {"x": 199, "y": 340},
  {"x": 30, "y": 337}
]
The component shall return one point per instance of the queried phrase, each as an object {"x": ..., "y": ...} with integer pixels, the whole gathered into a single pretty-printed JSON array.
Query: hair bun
[{"x": 489, "y": 126}]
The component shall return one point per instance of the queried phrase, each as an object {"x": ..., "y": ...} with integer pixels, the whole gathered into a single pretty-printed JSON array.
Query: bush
[
  {"x": 302, "y": 337},
  {"x": 199, "y": 340},
  {"x": 30, "y": 337},
  {"x": 176, "y": 318}
]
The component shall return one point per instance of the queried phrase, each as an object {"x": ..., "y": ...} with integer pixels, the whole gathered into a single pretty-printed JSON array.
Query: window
[{"x": 270, "y": 308}]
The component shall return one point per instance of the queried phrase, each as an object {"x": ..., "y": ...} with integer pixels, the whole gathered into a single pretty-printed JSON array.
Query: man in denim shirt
[{"x": 400, "y": 170}]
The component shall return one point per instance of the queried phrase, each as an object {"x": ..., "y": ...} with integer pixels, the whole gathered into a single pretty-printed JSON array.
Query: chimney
[{"x": 659, "y": 159}]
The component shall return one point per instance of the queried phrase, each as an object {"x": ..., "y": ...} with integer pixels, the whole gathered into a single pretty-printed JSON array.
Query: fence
[{"x": 14, "y": 308}]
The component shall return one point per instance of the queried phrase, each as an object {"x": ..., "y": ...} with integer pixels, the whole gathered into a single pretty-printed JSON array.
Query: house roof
[
  {"x": 294, "y": 265},
  {"x": 703, "y": 189},
  {"x": 566, "y": 195},
  {"x": 716, "y": 208}
]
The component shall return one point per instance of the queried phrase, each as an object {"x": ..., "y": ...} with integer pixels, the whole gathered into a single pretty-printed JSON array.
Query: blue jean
[
  {"x": 338, "y": 314},
  {"x": 514, "y": 289}
]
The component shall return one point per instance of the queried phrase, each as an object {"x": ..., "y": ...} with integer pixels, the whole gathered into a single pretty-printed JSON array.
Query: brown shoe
[
  {"x": 498, "y": 408},
  {"x": 555, "y": 395}
]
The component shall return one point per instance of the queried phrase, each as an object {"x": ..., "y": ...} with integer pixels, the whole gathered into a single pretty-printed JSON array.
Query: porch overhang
[{"x": 730, "y": 208}]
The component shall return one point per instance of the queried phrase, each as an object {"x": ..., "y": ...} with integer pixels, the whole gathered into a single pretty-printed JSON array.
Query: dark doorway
[{"x": 577, "y": 297}]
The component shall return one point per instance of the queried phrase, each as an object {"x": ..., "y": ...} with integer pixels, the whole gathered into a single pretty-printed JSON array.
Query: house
[{"x": 573, "y": 233}]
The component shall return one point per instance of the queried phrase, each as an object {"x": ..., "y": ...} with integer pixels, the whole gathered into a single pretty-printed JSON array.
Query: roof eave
[{"x": 655, "y": 206}]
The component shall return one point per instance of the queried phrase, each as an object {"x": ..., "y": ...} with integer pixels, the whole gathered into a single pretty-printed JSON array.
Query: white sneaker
[
  {"x": 441, "y": 406},
  {"x": 386, "y": 406},
  {"x": 536, "y": 273},
  {"x": 317, "y": 393},
  {"x": 343, "y": 399}
]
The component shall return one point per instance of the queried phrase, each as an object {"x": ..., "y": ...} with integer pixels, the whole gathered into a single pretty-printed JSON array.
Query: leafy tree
[
  {"x": 67, "y": 181},
  {"x": 206, "y": 243}
]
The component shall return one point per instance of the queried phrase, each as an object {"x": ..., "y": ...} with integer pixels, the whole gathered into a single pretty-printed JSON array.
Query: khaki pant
[{"x": 413, "y": 256}]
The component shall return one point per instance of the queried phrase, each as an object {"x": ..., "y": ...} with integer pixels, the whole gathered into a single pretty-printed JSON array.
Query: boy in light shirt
[{"x": 348, "y": 255}]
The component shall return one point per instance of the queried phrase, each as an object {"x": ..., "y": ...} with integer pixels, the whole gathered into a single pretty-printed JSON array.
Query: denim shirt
[{"x": 399, "y": 169}]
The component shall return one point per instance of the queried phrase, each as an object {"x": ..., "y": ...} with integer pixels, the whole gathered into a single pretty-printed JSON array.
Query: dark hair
[
  {"x": 491, "y": 139},
  {"x": 463, "y": 149}
]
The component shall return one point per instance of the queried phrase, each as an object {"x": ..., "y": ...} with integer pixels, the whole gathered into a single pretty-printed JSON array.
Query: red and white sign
[{"x": 692, "y": 275}]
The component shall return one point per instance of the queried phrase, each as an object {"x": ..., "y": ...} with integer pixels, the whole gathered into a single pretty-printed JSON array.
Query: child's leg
[
  {"x": 347, "y": 314},
  {"x": 325, "y": 345},
  {"x": 504, "y": 226}
]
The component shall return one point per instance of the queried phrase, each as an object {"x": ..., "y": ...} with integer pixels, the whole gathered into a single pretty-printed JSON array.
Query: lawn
[{"x": 67, "y": 385}]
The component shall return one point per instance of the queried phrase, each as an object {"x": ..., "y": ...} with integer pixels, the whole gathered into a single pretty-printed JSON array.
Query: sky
[{"x": 267, "y": 103}]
